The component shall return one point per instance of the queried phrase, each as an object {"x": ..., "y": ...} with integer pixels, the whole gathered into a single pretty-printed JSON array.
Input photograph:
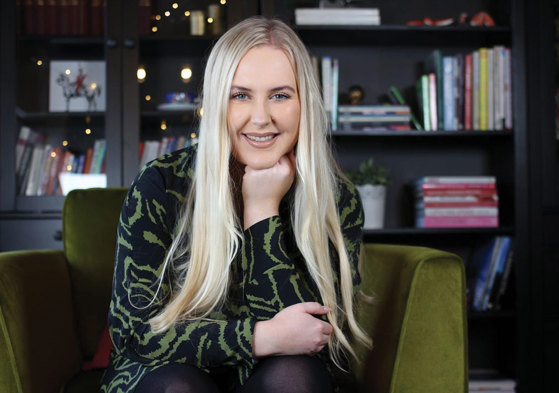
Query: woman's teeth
[{"x": 260, "y": 138}]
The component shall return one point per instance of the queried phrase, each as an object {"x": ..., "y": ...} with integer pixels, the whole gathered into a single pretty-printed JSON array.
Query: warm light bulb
[
  {"x": 53, "y": 154},
  {"x": 157, "y": 17},
  {"x": 93, "y": 85},
  {"x": 200, "y": 112},
  {"x": 64, "y": 143},
  {"x": 67, "y": 72},
  {"x": 186, "y": 74},
  {"x": 148, "y": 97},
  {"x": 88, "y": 131},
  {"x": 141, "y": 73},
  {"x": 167, "y": 13},
  {"x": 210, "y": 20},
  {"x": 39, "y": 62},
  {"x": 187, "y": 13},
  {"x": 69, "y": 168},
  {"x": 163, "y": 125},
  {"x": 223, "y": 1},
  {"x": 193, "y": 135},
  {"x": 154, "y": 29},
  {"x": 175, "y": 5}
]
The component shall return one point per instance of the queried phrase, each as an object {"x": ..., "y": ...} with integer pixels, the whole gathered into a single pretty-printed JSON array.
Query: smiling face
[{"x": 264, "y": 109}]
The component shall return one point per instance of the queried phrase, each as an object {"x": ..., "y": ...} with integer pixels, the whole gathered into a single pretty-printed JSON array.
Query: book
[
  {"x": 337, "y": 16},
  {"x": 483, "y": 89},
  {"x": 456, "y": 180},
  {"x": 433, "y": 101},
  {"x": 399, "y": 99},
  {"x": 423, "y": 98},
  {"x": 326, "y": 73},
  {"x": 434, "y": 64},
  {"x": 22, "y": 138},
  {"x": 497, "y": 269},
  {"x": 449, "y": 104},
  {"x": 459, "y": 76},
  {"x": 490, "y": 90},
  {"x": 475, "y": 90},
  {"x": 468, "y": 81},
  {"x": 334, "y": 99},
  {"x": 145, "y": 16},
  {"x": 457, "y": 222},
  {"x": 483, "y": 257}
]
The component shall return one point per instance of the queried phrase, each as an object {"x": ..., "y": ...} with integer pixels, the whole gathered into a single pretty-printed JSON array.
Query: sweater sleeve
[
  {"x": 351, "y": 221},
  {"x": 274, "y": 281},
  {"x": 142, "y": 242}
]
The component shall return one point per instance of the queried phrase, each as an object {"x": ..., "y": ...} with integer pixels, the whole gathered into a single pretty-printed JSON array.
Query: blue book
[
  {"x": 484, "y": 254},
  {"x": 449, "y": 88}
]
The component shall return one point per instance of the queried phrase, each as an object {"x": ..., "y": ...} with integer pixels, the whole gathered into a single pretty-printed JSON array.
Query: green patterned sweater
[{"x": 268, "y": 275}]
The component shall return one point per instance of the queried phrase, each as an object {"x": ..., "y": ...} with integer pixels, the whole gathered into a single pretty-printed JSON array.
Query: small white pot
[{"x": 373, "y": 198}]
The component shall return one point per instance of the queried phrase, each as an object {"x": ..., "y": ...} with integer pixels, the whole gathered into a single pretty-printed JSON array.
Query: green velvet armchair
[{"x": 53, "y": 309}]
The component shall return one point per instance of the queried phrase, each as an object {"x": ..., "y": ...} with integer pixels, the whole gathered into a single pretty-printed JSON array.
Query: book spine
[
  {"x": 508, "y": 90},
  {"x": 438, "y": 65},
  {"x": 425, "y": 103},
  {"x": 475, "y": 91},
  {"x": 452, "y": 205},
  {"x": 500, "y": 260},
  {"x": 74, "y": 13},
  {"x": 459, "y": 91},
  {"x": 145, "y": 17},
  {"x": 28, "y": 24},
  {"x": 327, "y": 82},
  {"x": 497, "y": 87},
  {"x": 51, "y": 15},
  {"x": 96, "y": 26},
  {"x": 448, "y": 91},
  {"x": 465, "y": 192},
  {"x": 483, "y": 85},
  {"x": 490, "y": 90},
  {"x": 483, "y": 275},
  {"x": 83, "y": 12},
  {"x": 504, "y": 281},
  {"x": 433, "y": 101},
  {"x": 39, "y": 16},
  {"x": 335, "y": 82},
  {"x": 44, "y": 181},
  {"x": 456, "y": 179},
  {"x": 461, "y": 222},
  {"x": 468, "y": 79},
  {"x": 459, "y": 211},
  {"x": 64, "y": 17}
]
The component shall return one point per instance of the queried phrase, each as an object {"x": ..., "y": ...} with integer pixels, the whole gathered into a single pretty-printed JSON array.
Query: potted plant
[{"x": 371, "y": 181}]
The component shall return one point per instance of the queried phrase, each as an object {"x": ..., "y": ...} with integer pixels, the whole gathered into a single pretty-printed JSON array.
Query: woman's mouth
[{"x": 260, "y": 140}]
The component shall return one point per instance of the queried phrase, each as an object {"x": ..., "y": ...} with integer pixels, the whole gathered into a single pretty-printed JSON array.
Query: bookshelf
[{"x": 389, "y": 54}]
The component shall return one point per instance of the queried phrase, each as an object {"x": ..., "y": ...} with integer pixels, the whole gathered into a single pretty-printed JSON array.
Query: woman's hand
[
  {"x": 292, "y": 331},
  {"x": 263, "y": 189}
]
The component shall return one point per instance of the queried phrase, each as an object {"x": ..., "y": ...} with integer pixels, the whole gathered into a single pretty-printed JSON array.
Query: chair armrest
[
  {"x": 39, "y": 348},
  {"x": 417, "y": 320}
]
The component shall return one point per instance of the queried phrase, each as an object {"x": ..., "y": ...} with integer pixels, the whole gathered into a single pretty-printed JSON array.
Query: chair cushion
[{"x": 90, "y": 219}]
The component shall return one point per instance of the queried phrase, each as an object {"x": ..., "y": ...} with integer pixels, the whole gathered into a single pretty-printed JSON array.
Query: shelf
[
  {"x": 439, "y": 232},
  {"x": 405, "y": 35},
  {"x": 52, "y": 204},
  {"x": 157, "y": 45},
  {"x": 60, "y": 118},
  {"x": 424, "y": 134}
]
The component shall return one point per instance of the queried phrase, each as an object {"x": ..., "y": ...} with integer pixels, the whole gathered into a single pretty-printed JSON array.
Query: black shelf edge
[
  {"x": 24, "y": 115},
  {"x": 425, "y": 134},
  {"x": 63, "y": 39},
  {"x": 409, "y": 29},
  {"x": 43, "y": 204},
  {"x": 491, "y": 314},
  {"x": 436, "y": 231},
  {"x": 176, "y": 37},
  {"x": 159, "y": 114}
]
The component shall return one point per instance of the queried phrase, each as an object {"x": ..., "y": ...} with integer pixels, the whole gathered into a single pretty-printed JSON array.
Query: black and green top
[{"x": 268, "y": 275}]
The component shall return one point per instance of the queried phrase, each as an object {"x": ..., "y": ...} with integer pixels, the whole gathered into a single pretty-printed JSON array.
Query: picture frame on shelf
[{"x": 77, "y": 86}]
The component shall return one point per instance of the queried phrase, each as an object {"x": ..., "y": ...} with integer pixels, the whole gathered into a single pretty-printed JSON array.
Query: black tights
[{"x": 282, "y": 374}]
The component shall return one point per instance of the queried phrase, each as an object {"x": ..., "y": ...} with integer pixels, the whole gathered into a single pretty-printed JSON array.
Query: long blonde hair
[{"x": 209, "y": 234}]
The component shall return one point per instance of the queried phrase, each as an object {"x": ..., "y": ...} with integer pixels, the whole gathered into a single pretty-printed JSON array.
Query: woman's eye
[
  {"x": 280, "y": 96},
  {"x": 240, "y": 96}
]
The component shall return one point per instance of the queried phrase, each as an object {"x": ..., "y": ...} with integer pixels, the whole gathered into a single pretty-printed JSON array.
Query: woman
[{"x": 236, "y": 260}]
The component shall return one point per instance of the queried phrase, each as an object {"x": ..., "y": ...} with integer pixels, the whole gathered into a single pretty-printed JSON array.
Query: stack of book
[
  {"x": 151, "y": 149},
  {"x": 490, "y": 381},
  {"x": 75, "y": 17},
  {"x": 327, "y": 70},
  {"x": 337, "y": 16},
  {"x": 488, "y": 272},
  {"x": 374, "y": 117},
  {"x": 456, "y": 202},
  {"x": 467, "y": 92},
  {"x": 39, "y": 163}
]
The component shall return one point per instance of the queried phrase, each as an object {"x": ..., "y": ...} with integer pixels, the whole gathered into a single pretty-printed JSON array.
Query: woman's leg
[
  {"x": 177, "y": 378},
  {"x": 289, "y": 374}
]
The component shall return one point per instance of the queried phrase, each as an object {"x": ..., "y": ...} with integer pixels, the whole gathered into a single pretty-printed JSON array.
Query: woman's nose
[{"x": 261, "y": 115}]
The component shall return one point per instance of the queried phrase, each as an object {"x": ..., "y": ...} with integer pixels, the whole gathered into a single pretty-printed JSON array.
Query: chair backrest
[
  {"x": 89, "y": 220},
  {"x": 417, "y": 320}
]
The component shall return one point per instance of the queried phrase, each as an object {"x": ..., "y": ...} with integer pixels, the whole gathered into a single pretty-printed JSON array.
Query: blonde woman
[{"x": 236, "y": 261}]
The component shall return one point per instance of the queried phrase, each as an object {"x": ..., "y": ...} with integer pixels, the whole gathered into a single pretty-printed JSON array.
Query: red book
[
  {"x": 27, "y": 19},
  {"x": 480, "y": 192},
  {"x": 468, "y": 81},
  {"x": 457, "y": 186},
  {"x": 461, "y": 222},
  {"x": 88, "y": 157},
  {"x": 145, "y": 17},
  {"x": 96, "y": 19},
  {"x": 74, "y": 12},
  {"x": 39, "y": 16},
  {"x": 51, "y": 14},
  {"x": 64, "y": 17},
  {"x": 485, "y": 203}
]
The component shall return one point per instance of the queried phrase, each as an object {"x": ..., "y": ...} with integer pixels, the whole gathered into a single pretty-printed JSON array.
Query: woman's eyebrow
[{"x": 274, "y": 89}]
